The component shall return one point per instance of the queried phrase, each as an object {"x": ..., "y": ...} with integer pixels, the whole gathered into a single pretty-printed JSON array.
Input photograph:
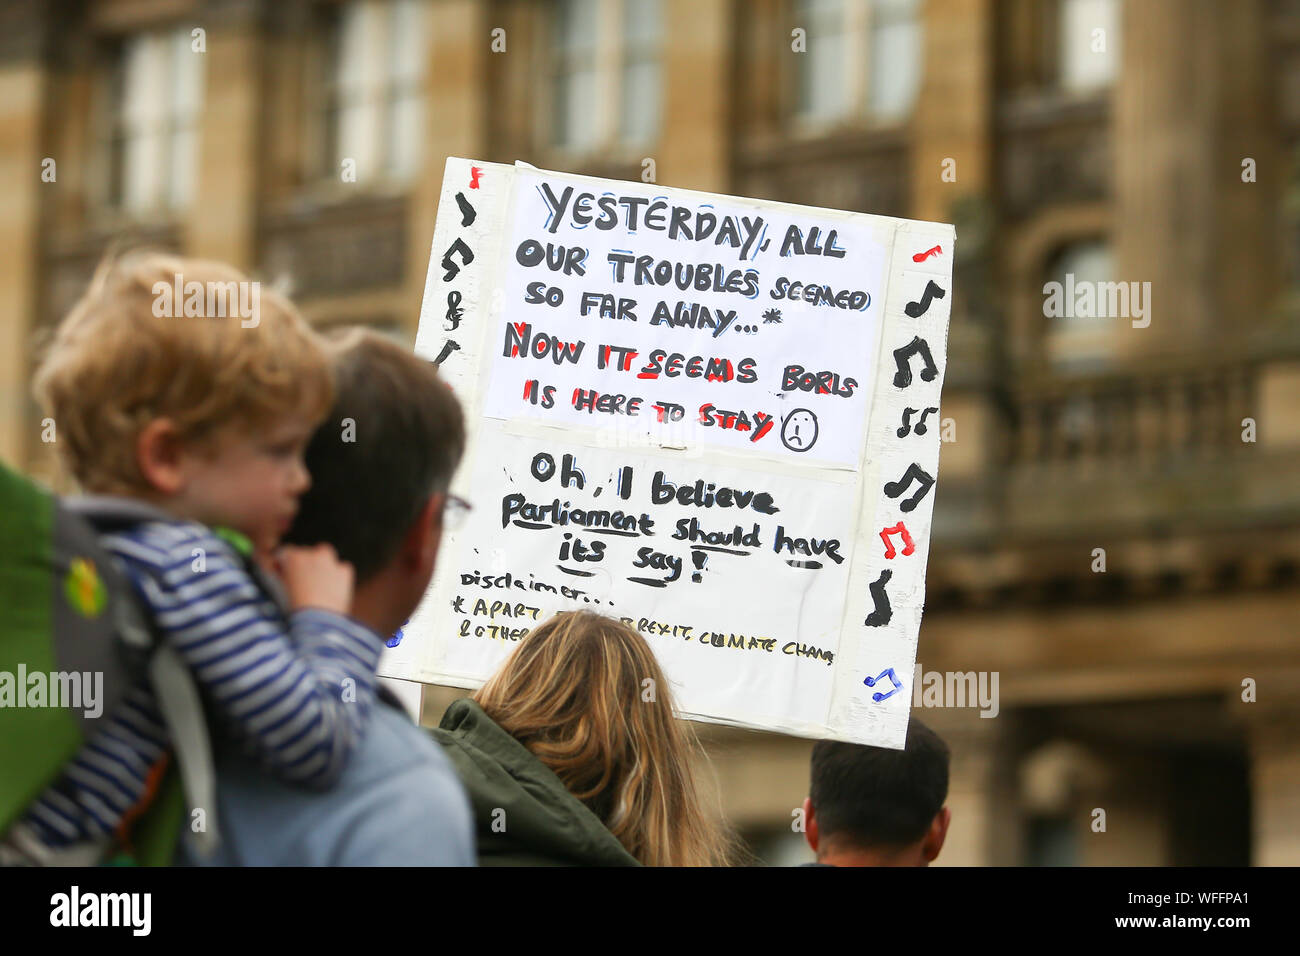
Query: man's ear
[
  {"x": 425, "y": 534},
  {"x": 935, "y": 836},
  {"x": 158, "y": 456},
  {"x": 810, "y": 831}
]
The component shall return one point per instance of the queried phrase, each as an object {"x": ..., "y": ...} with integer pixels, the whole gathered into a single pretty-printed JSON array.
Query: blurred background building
[{"x": 1136, "y": 141}]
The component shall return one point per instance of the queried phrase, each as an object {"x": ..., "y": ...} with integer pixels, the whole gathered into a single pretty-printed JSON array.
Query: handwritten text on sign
[
  {"x": 628, "y": 305},
  {"x": 779, "y": 368},
  {"x": 638, "y": 538}
]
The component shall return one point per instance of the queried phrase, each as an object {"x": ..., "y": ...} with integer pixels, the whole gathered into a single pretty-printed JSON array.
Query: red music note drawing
[
  {"x": 475, "y": 173},
  {"x": 908, "y": 544},
  {"x": 922, "y": 256}
]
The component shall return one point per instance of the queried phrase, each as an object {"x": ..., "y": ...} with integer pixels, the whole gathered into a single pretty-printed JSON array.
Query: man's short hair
[
  {"x": 393, "y": 438},
  {"x": 872, "y": 797}
]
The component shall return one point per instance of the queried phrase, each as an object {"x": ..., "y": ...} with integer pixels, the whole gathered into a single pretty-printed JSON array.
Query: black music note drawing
[
  {"x": 883, "y": 612},
  {"x": 466, "y": 254},
  {"x": 467, "y": 213},
  {"x": 920, "y": 425},
  {"x": 455, "y": 313},
  {"x": 902, "y": 357},
  {"x": 914, "y": 472},
  {"x": 451, "y": 346},
  {"x": 918, "y": 309}
]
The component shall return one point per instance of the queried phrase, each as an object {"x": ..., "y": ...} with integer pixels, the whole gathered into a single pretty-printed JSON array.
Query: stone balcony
[
  {"x": 1157, "y": 463},
  {"x": 330, "y": 247},
  {"x": 1052, "y": 149},
  {"x": 857, "y": 170}
]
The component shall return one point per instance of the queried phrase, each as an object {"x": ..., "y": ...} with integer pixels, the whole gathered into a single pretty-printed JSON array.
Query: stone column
[
  {"x": 695, "y": 150},
  {"x": 221, "y": 222},
  {"x": 953, "y": 107},
  {"x": 1192, "y": 100},
  {"x": 1274, "y": 739},
  {"x": 455, "y": 124},
  {"x": 23, "y": 89},
  {"x": 1162, "y": 171},
  {"x": 1249, "y": 271},
  {"x": 981, "y": 797},
  {"x": 1278, "y": 407},
  {"x": 952, "y": 130},
  {"x": 456, "y": 110}
]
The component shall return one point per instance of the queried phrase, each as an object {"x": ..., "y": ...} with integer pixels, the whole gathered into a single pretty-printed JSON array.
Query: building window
[
  {"x": 862, "y": 58},
  {"x": 374, "y": 89},
  {"x": 606, "y": 85},
  {"x": 1088, "y": 44},
  {"x": 895, "y": 59},
  {"x": 823, "y": 94},
  {"x": 157, "y": 93},
  {"x": 1077, "y": 303},
  {"x": 639, "y": 72}
]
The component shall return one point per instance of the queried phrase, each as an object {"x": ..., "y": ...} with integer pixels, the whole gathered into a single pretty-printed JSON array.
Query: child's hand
[{"x": 315, "y": 577}]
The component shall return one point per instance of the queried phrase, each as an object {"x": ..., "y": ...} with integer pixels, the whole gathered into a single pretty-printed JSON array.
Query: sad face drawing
[{"x": 799, "y": 430}]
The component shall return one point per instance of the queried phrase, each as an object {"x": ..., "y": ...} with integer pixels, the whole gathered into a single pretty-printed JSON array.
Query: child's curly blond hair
[{"x": 129, "y": 353}]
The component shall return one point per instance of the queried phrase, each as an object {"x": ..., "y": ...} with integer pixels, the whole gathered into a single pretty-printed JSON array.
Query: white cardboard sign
[{"x": 715, "y": 418}]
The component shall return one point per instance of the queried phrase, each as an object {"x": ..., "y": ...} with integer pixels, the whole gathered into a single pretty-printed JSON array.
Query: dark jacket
[{"x": 541, "y": 823}]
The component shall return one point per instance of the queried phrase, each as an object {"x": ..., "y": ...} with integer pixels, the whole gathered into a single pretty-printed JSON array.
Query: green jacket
[{"x": 542, "y": 824}]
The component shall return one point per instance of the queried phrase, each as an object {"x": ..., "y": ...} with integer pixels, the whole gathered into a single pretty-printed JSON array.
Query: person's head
[
  {"x": 381, "y": 464},
  {"x": 585, "y": 694},
  {"x": 183, "y": 383},
  {"x": 870, "y": 806}
]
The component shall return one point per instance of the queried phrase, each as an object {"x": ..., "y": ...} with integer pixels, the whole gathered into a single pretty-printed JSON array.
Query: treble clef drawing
[{"x": 454, "y": 312}]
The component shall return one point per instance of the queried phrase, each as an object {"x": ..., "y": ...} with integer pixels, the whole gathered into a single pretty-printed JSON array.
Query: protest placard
[{"x": 714, "y": 418}]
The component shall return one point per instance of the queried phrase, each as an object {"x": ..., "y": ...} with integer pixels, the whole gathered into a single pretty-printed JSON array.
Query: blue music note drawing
[{"x": 872, "y": 681}]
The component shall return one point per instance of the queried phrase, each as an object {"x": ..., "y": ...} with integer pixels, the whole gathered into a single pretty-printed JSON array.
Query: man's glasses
[{"x": 454, "y": 511}]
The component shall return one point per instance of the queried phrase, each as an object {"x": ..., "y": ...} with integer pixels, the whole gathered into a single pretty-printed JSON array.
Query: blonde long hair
[{"x": 573, "y": 693}]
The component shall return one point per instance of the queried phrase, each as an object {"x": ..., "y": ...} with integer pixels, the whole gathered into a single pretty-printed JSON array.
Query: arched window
[{"x": 1077, "y": 300}]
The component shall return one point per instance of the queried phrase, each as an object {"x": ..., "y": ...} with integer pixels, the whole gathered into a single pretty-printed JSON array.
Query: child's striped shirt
[{"x": 295, "y": 690}]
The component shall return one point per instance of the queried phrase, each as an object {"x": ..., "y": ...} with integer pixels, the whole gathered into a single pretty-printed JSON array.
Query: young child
[{"x": 205, "y": 417}]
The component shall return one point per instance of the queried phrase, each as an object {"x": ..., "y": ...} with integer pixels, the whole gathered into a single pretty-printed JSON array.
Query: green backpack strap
[
  {"x": 34, "y": 742},
  {"x": 59, "y": 595},
  {"x": 191, "y": 776},
  {"x": 67, "y": 607},
  {"x": 157, "y": 833}
]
